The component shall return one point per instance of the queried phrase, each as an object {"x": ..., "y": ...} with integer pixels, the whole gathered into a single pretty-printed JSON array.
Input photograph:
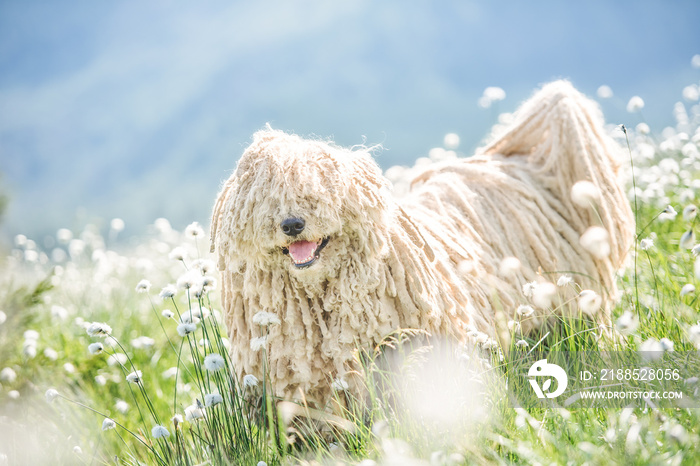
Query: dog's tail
[{"x": 560, "y": 138}]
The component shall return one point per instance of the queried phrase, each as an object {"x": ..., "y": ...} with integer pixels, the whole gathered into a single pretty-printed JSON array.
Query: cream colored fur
[{"x": 428, "y": 261}]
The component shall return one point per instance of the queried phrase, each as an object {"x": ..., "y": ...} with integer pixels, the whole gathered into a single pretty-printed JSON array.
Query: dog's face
[{"x": 302, "y": 206}]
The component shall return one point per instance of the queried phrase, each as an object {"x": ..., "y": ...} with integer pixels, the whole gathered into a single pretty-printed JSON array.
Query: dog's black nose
[{"x": 292, "y": 226}]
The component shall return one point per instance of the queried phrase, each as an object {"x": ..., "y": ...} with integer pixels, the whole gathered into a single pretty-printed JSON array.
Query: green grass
[{"x": 475, "y": 421}]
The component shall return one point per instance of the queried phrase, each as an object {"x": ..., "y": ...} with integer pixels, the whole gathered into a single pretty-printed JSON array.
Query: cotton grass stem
[{"x": 636, "y": 218}]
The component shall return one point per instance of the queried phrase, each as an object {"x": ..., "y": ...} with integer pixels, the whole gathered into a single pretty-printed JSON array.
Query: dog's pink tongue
[{"x": 302, "y": 251}]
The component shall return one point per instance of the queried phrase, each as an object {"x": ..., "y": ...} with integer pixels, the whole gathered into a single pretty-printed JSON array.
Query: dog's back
[{"x": 514, "y": 199}]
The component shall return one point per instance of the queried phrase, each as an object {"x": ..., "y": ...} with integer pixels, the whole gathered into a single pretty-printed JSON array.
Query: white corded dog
[{"x": 317, "y": 257}]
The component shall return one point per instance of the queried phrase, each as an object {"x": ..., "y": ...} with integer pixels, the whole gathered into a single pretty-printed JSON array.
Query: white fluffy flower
[
  {"x": 564, "y": 280},
  {"x": 643, "y": 128},
  {"x": 694, "y": 335},
  {"x": 108, "y": 424},
  {"x": 59, "y": 312},
  {"x": 585, "y": 193},
  {"x": 96, "y": 348},
  {"x": 29, "y": 350},
  {"x": 194, "y": 230},
  {"x": 121, "y": 406},
  {"x": 589, "y": 302},
  {"x": 544, "y": 294},
  {"x": 687, "y": 240},
  {"x": 167, "y": 313},
  {"x": 99, "y": 329},
  {"x": 651, "y": 350},
  {"x": 143, "y": 286},
  {"x": 51, "y": 354},
  {"x": 451, "y": 141},
  {"x": 194, "y": 412},
  {"x": 170, "y": 373},
  {"x": 689, "y": 212},
  {"x": 687, "y": 289},
  {"x": 142, "y": 342},
  {"x": 266, "y": 318},
  {"x": 525, "y": 311},
  {"x": 134, "y": 377},
  {"x": 204, "y": 265},
  {"x": 509, "y": 266},
  {"x": 646, "y": 244},
  {"x": 258, "y": 343},
  {"x": 51, "y": 394},
  {"x": 513, "y": 326},
  {"x": 635, "y": 104},
  {"x": 670, "y": 211},
  {"x": 186, "y": 328},
  {"x": 677, "y": 433},
  {"x": 117, "y": 225},
  {"x": 627, "y": 323},
  {"x": 666, "y": 344},
  {"x": 212, "y": 399},
  {"x": 178, "y": 254},
  {"x": 194, "y": 315},
  {"x": 494, "y": 93},
  {"x": 604, "y": 92},
  {"x": 521, "y": 344},
  {"x": 339, "y": 385},
  {"x": 159, "y": 431},
  {"x": 691, "y": 93},
  {"x": 168, "y": 292},
  {"x": 191, "y": 280},
  {"x": 250, "y": 381},
  {"x": 117, "y": 359},
  {"x": 596, "y": 241},
  {"x": 8, "y": 375},
  {"x": 529, "y": 289},
  {"x": 214, "y": 362}
]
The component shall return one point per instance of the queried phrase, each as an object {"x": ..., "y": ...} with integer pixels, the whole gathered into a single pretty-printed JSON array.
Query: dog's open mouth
[{"x": 304, "y": 253}]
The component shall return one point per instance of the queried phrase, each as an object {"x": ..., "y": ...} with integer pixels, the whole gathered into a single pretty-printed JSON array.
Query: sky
[{"x": 139, "y": 110}]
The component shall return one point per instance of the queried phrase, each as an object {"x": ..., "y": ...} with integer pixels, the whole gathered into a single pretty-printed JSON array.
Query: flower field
[{"x": 114, "y": 353}]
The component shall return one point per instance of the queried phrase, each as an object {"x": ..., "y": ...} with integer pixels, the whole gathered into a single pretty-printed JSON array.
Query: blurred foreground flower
[
  {"x": 584, "y": 193},
  {"x": 491, "y": 94},
  {"x": 596, "y": 240},
  {"x": 51, "y": 394},
  {"x": 589, "y": 302},
  {"x": 604, "y": 92},
  {"x": 635, "y": 104},
  {"x": 627, "y": 323}
]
